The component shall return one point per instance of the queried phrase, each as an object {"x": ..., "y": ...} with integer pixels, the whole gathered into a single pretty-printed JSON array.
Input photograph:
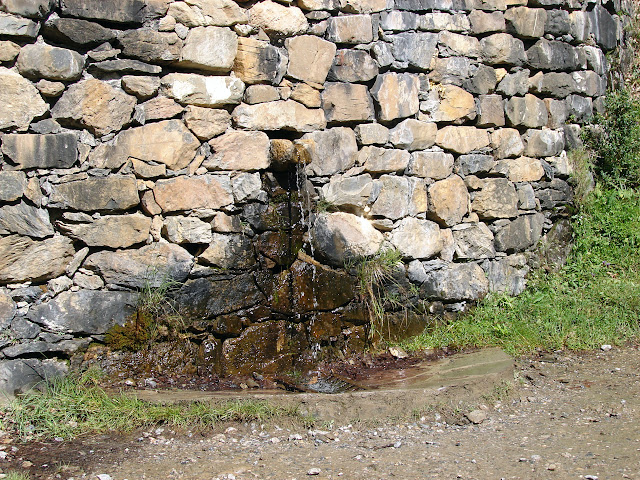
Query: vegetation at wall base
[
  {"x": 76, "y": 405},
  {"x": 593, "y": 300}
]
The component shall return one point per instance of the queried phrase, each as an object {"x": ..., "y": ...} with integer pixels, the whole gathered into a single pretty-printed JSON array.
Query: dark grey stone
[
  {"x": 418, "y": 49},
  {"x": 557, "y": 22},
  {"x": 458, "y": 281},
  {"x": 64, "y": 347},
  {"x": 15, "y": 26},
  {"x": 603, "y": 27},
  {"x": 474, "y": 163},
  {"x": 482, "y": 81},
  {"x": 76, "y": 31},
  {"x": 126, "y": 66},
  {"x": 151, "y": 46},
  {"x": 119, "y": 11},
  {"x": 28, "y": 8},
  {"x": 515, "y": 83},
  {"x": 579, "y": 108},
  {"x": 520, "y": 234},
  {"x": 554, "y": 194},
  {"x": 419, "y": 5},
  {"x": 41, "y": 151},
  {"x": 553, "y": 55},
  {"x": 88, "y": 312},
  {"x": 12, "y": 185},
  {"x": 26, "y": 219},
  {"x": 18, "y": 376},
  {"x": 209, "y": 297},
  {"x": 46, "y": 126},
  {"x": 352, "y": 66},
  {"x": 558, "y": 84}
]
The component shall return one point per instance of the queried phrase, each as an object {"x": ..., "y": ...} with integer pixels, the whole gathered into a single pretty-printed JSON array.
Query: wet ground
[{"x": 564, "y": 416}]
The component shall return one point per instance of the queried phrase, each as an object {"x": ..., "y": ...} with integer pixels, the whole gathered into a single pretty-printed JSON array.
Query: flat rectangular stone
[{"x": 41, "y": 151}]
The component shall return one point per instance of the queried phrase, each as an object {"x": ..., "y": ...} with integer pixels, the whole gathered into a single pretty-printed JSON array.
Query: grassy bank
[
  {"x": 76, "y": 405},
  {"x": 593, "y": 300}
]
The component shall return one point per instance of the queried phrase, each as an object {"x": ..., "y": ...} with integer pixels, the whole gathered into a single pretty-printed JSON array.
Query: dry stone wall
[{"x": 146, "y": 140}]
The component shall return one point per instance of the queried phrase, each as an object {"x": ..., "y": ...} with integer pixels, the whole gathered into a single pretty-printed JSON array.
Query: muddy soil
[{"x": 565, "y": 416}]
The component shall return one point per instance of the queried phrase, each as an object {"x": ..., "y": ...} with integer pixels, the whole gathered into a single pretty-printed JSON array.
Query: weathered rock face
[{"x": 213, "y": 142}]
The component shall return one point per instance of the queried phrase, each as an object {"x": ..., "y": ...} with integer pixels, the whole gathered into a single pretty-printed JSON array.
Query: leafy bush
[{"x": 615, "y": 140}]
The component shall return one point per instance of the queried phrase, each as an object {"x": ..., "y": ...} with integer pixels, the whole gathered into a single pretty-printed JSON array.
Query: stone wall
[{"x": 208, "y": 141}]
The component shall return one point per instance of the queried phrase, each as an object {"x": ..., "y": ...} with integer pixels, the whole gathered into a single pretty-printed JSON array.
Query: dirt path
[{"x": 567, "y": 416}]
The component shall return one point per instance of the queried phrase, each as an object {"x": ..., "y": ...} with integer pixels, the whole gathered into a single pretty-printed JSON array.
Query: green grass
[
  {"x": 593, "y": 300},
  {"x": 13, "y": 475},
  {"x": 75, "y": 405}
]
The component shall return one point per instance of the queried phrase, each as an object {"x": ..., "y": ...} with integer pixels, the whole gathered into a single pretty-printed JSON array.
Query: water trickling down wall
[{"x": 209, "y": 141}]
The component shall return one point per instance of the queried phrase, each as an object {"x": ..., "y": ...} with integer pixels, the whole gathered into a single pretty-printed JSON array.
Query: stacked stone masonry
[{"x": 194, "y": 140}]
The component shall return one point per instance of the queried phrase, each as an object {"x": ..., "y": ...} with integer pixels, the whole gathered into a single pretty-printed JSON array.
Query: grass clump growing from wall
[{"x": 76, "y": 405}]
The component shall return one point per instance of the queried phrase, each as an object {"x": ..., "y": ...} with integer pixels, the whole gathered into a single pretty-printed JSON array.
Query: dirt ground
[{"x": 565, "y": 416}]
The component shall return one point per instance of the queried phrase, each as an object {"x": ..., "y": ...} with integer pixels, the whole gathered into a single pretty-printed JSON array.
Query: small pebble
[
  {"x": 605, "y": 348},
  {"x": 590, "y": 477},
  {"x": 314, "y": 471},
  {"x": 552, "y": 467},
  {"x": 103, "y": 476}
]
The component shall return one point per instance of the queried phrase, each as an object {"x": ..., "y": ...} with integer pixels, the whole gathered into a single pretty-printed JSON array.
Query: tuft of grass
[
  {"x": 594, "y": 299},
  {"x": 374, "y": 273},
  {"x": 75, "y": 405},
  {"x": 14, "y": 475}
]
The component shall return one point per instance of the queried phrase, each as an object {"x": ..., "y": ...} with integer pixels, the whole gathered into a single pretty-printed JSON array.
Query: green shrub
[{"x": 615, "y": 140}]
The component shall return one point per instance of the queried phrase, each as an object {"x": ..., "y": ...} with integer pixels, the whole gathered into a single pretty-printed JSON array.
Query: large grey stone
[
  {"x": 150, "y": 266},
  {"x": 86, "y": 312},
  {"x": 12, "y": 185},
  {"x": 41, "y": 151},
  {"x": 412, "y": 134},
  {"x": 28, "y": 8},
  {"x": 383, "y": 160},
  {"x": 52, "y": 63},
  {"x": 189, "y": 193},
  {"x": 7, "y": 310},
  {"x": 520, "y": 234},
  {"x": 451, "y": 70},
  {"x": 496, "y": 198},
  {"x": 506, "y": 142},
  {"x": 203, "y": 91},
  {"x": 204, "y": 298},
  {"x": 151, "y": 46},
  {"x": 340, "y": 236},
  {"x": 15, "y": 26},
  {"x": 25, "y": 219},
  {"x": 604, "y": 27},
  {"x": 580, "y": 108},
  {"x": 553, "y": 55},
  {"x": 352, "y": 66},
  {"x": 398, "y": 21},
  {"x": 280, "y": 115},
  {"x": 473, "y": 241},
  {"x": 258, "y": 61},
  {"x": 396, "y": 95},
  {"x": 117, "y": 192},
  {"x": 120, "y": 11},
  {"x": 502, "y": 49},
  {"x": 474, "y": 163},
  {"x": 19, "y": 376},
  {"x": 514, "y": 83},
  {"x": 557, "y": 23},
  {"x": 237, "y": 150},
  {"x": 392, "y": 197},
  {"x": 330, "y": 151},
  {"x": 20, "y": 100},
  {"x": 486, "y": 22},
  {"x": 346, "y": 102},
  {"x": 95, "y": 105},
  {"x": 168, "y": 142},
  {"x": 543, "y": 143},
  {"x": 464, "y": 281},
  {"x": 457, "y": 45},
  {"x": 113, "y": 231},
  {"x": 508, "y": 274},
  {"x": 209, "y": 48},
  {"x": 348, "y": 193},
  {"x": 418, "y": 49},
  {"x": 529, "y": 112},
  {"x": 22, "y": 259},
  {"x": 416, "y": 238},
  {"x": 76, "y": 31}
]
